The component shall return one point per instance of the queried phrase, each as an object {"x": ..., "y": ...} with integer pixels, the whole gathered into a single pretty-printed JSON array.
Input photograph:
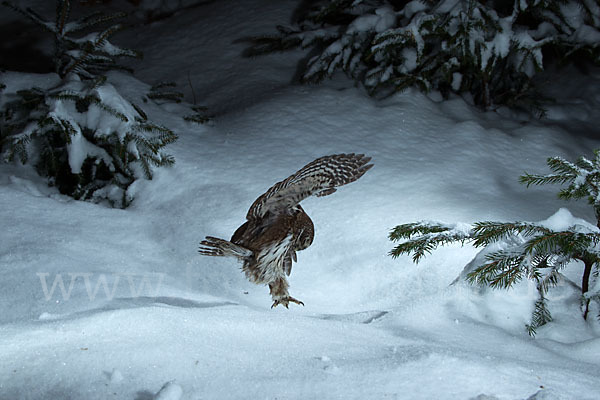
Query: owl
[{"x": 277, "y": 226}]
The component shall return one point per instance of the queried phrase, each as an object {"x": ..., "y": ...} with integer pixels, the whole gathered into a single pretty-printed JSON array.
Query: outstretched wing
[{"x": 319, "y": 178}]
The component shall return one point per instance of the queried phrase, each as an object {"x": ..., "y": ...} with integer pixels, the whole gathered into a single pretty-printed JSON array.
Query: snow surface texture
[{"x": 142, "y": 316}]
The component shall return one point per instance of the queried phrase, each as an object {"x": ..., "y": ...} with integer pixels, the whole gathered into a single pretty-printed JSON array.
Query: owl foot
[{"x": 285, "y": 301}]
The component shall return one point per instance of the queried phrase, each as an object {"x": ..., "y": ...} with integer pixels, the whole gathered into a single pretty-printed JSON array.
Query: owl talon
[{"x": 285, "y": 302}]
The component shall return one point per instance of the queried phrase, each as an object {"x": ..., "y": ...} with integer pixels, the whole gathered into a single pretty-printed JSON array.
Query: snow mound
[{"x": 563, "y": 220}]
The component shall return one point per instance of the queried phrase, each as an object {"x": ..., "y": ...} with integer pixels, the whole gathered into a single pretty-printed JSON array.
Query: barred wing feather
[{"x": 319, "y": 178}]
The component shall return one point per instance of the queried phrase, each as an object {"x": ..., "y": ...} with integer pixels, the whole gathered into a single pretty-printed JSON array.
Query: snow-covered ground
[{"x": 141, "y": 315}]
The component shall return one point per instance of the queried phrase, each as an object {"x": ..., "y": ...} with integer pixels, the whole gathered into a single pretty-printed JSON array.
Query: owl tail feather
[{"x": 213, "y": 246}]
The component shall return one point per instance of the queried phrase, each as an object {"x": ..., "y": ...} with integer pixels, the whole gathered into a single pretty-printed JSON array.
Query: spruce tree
[
  {"x": 490, "y": 50},
  {"x": 89, "y": 141},
  {"x": 530, "y": 250},
  {"x": 79, "y": 131}
]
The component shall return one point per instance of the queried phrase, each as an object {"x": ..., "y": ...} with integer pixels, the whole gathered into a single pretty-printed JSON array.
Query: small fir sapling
[{"x": 528, "y": 250}]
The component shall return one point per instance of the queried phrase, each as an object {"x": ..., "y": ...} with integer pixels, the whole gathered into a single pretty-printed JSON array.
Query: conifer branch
[
  {"x": 541, "y": 315},
  {"x": 564, "y": 242},
  {"x": 29, "y": 13},
  {"x": 503, "y": 270},
  {"x": 141, "y": 113},
  {"x": 531, "y": 179},
  {"x": 487, "y": 232},
  {"x": 424, "y": 237},
  {"x": 63, "y": 10},
  {"x": 162, "y": 91}
]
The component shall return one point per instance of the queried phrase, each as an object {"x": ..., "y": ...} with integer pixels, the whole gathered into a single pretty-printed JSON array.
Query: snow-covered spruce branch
[
  {"x": 424, "y": 237},
  {"x": 582, "y": 176},
  {"x": 488, "y": 49}
]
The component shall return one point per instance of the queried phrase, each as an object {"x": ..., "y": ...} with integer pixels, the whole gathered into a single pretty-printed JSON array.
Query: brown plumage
[{"x": 277, "y": 226}]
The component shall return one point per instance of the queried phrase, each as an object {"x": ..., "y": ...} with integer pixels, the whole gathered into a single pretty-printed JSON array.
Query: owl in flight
[{"x": 277, "y": 227}]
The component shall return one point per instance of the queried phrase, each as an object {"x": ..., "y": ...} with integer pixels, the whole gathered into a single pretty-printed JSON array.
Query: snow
[
  {"x": 456, "y": 80},
  {"x": 143, "y": 316},
  {"x": 500, "y": 45},
  {"x": 383, "y": 19},
  {"x": 587, "y": 35},
  {"x": 413, "y": 7},
  {"x": 563, "y": 220},
  {"x": 410, "y": 59},
  {"x": 80, "y": 148},
  {"x": 447, "y": 5}
]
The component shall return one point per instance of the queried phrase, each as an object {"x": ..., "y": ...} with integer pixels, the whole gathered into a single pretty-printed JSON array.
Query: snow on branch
[{"x": 490, "y": 50}]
